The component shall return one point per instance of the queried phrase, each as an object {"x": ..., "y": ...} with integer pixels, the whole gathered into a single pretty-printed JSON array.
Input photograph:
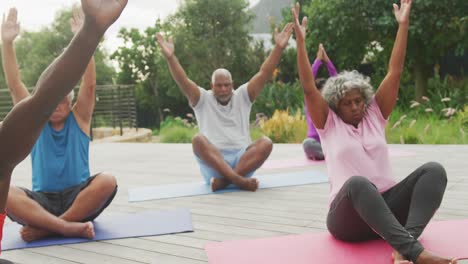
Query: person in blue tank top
[{"x": 63, "y": 192}]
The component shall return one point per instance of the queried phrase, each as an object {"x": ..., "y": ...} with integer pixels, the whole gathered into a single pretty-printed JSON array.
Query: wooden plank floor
[{"x": 221, "y": 217}]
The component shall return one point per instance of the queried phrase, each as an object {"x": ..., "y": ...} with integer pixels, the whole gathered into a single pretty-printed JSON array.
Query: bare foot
[
  {"x": 76, "y": 229},
  {"x": 428, "y": 258},
  {"x": 29, "y": 233},
  {"x": 399, "y": 259},
  {"x": 72, "y": 229},
  {"x": 249, "y": 184},
  {"x": 218, "y": 184}
]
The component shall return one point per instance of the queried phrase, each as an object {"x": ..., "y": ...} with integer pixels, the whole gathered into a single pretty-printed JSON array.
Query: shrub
[
  {"x": 411, "y": 128},
  {"x": 278, "y": 96},
  {"x": 178, "y": 121},
  {"x": 284, "y": 128},
  {"x": 255, "y": 133},
  {"x": 177, "y": 134},
  {"x": 177, "y": 130}
]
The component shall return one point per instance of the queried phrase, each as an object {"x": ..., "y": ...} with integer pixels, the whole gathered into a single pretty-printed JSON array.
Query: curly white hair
[{"x": 337, "y": 86}]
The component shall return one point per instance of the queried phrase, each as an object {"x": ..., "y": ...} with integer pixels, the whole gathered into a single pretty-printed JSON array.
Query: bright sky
[{"x": 139, "y": 13}]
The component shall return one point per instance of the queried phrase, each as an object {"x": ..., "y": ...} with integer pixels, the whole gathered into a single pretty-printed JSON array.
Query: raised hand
[
  {"x": 402, "y": 13},
  {"x": 299, "y": 29},
  {"x": 281, "y": 39},
  {"x": 77, "y": 19},
  {"x": 10, "y": 26},
  {"x": 319, "y": 52},
  {"x": 167, "y": 47},
  {"x": 101, "y": 14},
  {"x": 324, "y": 54}
]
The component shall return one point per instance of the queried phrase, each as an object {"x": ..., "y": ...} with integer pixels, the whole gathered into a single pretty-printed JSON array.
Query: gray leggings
[
  {"x": 312, "y": 149},
  {"x": 399, "y": 215}
]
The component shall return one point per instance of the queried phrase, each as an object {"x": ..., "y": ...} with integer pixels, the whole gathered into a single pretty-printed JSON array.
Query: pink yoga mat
[
  {"x": 302, "y": 161},
  {"x": 447, "y": 238}
]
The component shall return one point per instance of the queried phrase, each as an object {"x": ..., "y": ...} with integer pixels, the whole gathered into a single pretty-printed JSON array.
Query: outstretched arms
[
  {"x": 257, "y": 82},
  {"x": 60, "y": 77},
  {"x": 312, "y": 96},
  {"x": 23, "y": 124},
  {"x": 387, "y": 93},
  {"x": 187, "y": 86},
  {"x": 85, "y": 102},
  {"x": 10, "y": 30}
]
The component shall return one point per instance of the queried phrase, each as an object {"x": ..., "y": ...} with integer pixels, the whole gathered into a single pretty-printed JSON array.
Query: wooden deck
[{"x": 221, "y": 217}]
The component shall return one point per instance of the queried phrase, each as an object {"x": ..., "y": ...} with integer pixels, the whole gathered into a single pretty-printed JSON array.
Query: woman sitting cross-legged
[{"x": 365, "y": 202}]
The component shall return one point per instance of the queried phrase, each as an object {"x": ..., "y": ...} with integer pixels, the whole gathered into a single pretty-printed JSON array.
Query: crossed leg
[
  {"x": 40, "y": 223},
  {"x": 252, "y": 159},
  {"x": 359, "y": 212}
]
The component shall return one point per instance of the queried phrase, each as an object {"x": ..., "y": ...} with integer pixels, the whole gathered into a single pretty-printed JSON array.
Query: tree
[
  {"x": 142, "y": 64},
  {"x": 215, "y": 34},
  {"x": 36, "y": 50},
  {"x": 208, "y": 34},
  {"x": 436, "y": 30},
  {"x": 352, "y": 29}
]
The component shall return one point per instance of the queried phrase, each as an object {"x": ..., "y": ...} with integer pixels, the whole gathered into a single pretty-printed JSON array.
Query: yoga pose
[
  {"x": 311, "y": 144},
  {"x": 223, "y": 148},
  {"x": 29, "y": 118},
  {"x": 365, "y": 201}
]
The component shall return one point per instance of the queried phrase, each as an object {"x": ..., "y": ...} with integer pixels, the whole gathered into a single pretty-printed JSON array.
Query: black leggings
[{"x": 399, "y": 215}]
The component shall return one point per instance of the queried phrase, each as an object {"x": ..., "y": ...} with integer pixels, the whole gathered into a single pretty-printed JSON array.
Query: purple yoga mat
[{"x": 112, "y": 226}]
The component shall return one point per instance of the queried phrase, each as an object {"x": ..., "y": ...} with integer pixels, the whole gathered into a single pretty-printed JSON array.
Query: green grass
[
  {"x": 426, "y": 129},
  {"x": 177, "y": 134},
  {"x": 183, "y": 134}
]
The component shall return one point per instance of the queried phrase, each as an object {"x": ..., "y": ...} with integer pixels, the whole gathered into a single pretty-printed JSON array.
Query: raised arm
[
  {"x": 10, "y": 30},
  {"x": 85, "y": 101},
  {"x": 187, "y": 86},
  {"x": 23, "y": 124},
  {"x": 318, "y": 61},
  {"x": 330, "y": 67},
  {"x": 387, "y": 93},
  {"x": 322, "y": 56},
  {"x": 316, "y": 106},
  {"x": 258, "y": 81}
]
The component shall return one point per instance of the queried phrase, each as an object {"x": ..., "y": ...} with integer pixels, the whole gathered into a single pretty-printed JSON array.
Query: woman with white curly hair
[{"x": 365, "y": 201}]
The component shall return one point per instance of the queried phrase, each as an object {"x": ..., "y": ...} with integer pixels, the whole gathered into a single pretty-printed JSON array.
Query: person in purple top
[{"x": 311, "y": 145}]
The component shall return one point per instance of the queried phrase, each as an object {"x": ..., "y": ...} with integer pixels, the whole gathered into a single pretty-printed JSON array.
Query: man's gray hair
[
  {"x": 220, "y": 72},
  {"x": 336, "y": 88}
]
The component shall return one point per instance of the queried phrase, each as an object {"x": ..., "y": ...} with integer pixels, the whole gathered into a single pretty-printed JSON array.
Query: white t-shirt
[{"x": 225, "y": 126}]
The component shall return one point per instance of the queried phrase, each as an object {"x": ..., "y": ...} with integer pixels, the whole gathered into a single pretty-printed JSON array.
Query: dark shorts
[{"x": 58, "y": 203}]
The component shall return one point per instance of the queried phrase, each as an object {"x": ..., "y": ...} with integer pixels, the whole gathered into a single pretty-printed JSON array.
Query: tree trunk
[{"x": 422, "y": 73}]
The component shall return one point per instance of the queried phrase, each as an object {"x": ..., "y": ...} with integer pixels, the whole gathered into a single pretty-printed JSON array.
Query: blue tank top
[{"x": 60, "y": 159}]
